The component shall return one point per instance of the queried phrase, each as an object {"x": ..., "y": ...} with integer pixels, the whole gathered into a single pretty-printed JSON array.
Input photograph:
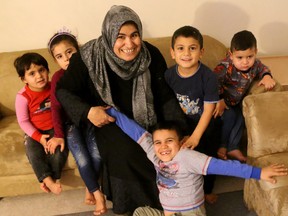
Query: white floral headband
[{"x": 62, "y": 31}]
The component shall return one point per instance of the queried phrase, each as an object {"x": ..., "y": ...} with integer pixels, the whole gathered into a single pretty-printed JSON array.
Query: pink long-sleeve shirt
[{"x": 33, "y": 111}]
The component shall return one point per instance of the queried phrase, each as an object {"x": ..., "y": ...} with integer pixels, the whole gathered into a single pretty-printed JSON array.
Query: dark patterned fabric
[{"x": 234, "y": 84}]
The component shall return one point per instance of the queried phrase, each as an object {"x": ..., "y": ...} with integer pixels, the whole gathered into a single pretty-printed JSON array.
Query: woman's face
[{"x": 128, "y": 43}]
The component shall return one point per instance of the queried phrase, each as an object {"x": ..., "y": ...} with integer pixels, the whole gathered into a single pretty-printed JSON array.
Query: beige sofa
[
  {"x": 266, "y": 117},
  {"x": 16, "y": 174}
]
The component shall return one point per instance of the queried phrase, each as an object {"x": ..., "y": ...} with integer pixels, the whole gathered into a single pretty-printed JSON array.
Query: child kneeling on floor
[{"x": 179, "y": 170}]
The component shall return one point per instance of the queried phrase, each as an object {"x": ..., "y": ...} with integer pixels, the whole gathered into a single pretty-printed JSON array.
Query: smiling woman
[
  {"x": 121, "y": 70},
  {"x": 128, "y": 43}
]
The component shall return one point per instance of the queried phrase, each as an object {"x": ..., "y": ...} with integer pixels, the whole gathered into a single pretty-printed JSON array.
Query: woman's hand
[{"x": 99, "y": 117}]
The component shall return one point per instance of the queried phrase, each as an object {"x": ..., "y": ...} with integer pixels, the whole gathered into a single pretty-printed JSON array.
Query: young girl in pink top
[{"x": 33, "y": 112}]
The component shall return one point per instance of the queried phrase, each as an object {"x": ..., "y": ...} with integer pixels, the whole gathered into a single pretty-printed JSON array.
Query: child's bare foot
[
  {"x": 44, "y": 188},
  {"x": 237, "y": 154},
  {"x": 222, "y": 151},
  {"x": 89, "y": 198},
  {"x": 54, "y": 187},
  {"x": 100, "y": 203},
  {"x": 211, "y": 198}
]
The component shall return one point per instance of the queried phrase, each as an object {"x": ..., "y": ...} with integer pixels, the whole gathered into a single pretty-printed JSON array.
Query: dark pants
[
  {"x": 232, "y": 127},
  {"x": 43, "y": 164}
]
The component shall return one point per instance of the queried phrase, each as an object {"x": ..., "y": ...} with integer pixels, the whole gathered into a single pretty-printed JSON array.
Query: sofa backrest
[{"x": 10, "y": 83}]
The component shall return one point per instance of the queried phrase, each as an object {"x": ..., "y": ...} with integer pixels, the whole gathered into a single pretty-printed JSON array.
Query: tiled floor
[{"x": 72, "y": 202}]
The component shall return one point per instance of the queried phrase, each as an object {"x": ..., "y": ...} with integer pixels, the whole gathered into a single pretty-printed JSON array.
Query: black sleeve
[
  {"x": 166, "y": 104},
  {"x": 73, "y": 91}
]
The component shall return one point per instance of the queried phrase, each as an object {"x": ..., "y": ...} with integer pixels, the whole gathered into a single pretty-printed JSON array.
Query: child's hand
[
  {"x": 190, "y": 142},
  {"x": 53, "y": 143},
  {"x": 43, "y": 141},
  {"x": 268, "y": 82},
  {"x": 220, "y": 108},
  {"x": 269, "y": 172}
]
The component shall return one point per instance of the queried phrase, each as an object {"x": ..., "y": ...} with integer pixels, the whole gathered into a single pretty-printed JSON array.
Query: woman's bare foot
[
  {"x": 237, "y": 154},
  {"x": 54, "y": 187},
  {"x": 89, "y": 198},
  {"x": 44, "y": 188},
  {"x": 211, "y": 198},
  {"x": 100, "y": 203},
  {"x": 222, "y": 153}
]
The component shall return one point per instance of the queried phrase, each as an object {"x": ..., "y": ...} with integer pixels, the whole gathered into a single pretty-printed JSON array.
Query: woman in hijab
[{"x": 119, "y": 69}]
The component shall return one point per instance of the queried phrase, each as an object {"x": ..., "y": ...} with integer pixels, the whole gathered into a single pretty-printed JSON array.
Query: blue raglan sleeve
[{"x": 233, "y": 168}]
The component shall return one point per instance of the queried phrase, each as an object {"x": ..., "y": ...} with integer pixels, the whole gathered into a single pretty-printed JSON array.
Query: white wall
[{"x": 29, "y": 24}]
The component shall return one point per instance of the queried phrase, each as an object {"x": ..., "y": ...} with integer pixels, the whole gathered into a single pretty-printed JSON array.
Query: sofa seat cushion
[
  {"x": 266, "y": 202},
  {"x": 13, "y": 160}
]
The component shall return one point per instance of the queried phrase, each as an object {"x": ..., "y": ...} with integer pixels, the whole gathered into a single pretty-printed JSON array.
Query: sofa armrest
[
  {"x": 255, "y": 89},
  {"x": 267, "y": 123}
]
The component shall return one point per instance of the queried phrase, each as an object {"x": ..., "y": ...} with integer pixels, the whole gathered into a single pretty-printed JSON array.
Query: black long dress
[{"x": 131, "y": 176}]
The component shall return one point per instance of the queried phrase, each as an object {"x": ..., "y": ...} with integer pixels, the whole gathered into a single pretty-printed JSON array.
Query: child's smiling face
[
  {"x": 166, "y": 144},
  {"x": 187, "y": 53}
]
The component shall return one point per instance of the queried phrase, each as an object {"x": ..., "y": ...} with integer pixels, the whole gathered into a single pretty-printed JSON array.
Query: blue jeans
[
  {"x": 232, "y": 127},
  {"x": 43, "y": 164},
  {"x": 84, "y": 149}
]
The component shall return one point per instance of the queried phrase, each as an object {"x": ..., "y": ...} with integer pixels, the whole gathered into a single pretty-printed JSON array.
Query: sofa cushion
[
  {"x": 13, "y": 158},
  {"x": 267, "y": 123},
  {"x": 265, "y": 202}
]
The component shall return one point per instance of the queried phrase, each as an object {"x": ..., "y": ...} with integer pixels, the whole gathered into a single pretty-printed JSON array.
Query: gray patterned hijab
[{"x": 98, "y": 51}]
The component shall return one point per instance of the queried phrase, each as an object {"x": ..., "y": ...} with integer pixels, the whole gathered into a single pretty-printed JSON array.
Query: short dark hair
[
  {"x": 23, "y": 63},
  {"x": 59, "y": 37},
  {"x": 187, "y": 31},
  {"x": 243, "y": 40},
  {"x": 169, "y": 125}
]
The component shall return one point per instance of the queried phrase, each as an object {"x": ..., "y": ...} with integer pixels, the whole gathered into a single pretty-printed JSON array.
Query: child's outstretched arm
[
  {"x": 271, "y": 171},
  {"x": 237, "y": 169},
  {"x": 133, "y": 130}
]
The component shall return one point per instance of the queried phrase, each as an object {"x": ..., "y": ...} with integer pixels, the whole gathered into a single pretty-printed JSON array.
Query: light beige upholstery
[{"x": 266, "y": 118}]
